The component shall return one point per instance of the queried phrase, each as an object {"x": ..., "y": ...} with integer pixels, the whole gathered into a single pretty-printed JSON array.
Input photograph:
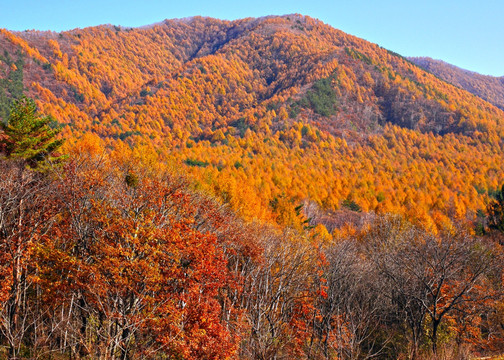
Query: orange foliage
[{"x": 226, "y": 102}]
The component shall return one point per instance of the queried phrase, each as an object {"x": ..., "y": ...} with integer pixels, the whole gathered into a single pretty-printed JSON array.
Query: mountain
[
  {"x": 489, "y": 88},
  {"x": 267, "y": 188},
  {"x": 270, "y": 113}
]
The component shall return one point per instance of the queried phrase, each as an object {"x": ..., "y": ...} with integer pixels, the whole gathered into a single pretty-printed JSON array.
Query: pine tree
[
  {"x": 29, "y": 135},
  {"x": 496, "y": 211}
]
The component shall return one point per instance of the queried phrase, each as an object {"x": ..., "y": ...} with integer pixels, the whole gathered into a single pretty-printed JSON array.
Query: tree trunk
[{"x": 435, "y": 325}]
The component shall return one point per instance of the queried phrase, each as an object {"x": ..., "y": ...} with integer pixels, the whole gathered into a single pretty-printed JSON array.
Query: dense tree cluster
[
  {"x": 109, "y": 255},
  {"x": 275, "y": 108},
  {"x": 228, "y": 193},
  {"x": 490, "y": 88}
]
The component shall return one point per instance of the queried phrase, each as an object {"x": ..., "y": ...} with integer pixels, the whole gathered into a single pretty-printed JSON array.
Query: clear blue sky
[{"x": 466, "y": 33}]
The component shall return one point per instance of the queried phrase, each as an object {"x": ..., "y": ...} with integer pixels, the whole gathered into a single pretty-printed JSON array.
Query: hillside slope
[
  {"x": 489, "y": 88},
  {"x": 270, "y": 113}
]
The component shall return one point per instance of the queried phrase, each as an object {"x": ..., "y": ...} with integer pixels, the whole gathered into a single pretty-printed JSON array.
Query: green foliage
[
  {"x": 78, "y": 96},
  {"x": 193, "y": 162},
  {"x": 351, "y": 205},
  {"x": 127, "y": 134},
  {"x": 494, "y": 193},
  {"x": 480, "y": 190},
  {"x": 480, "y": 213},
  {"x": 479, "y": 229},
  {"x": 131, "y": 179},
  {"x": 272, "y": 106},
  {"x": 393, "y": 53},
  {"x": 321, "y": 98},
  {"x": 241, "y": 125},
  {"x": 380, "y": 196},
  {"x": 145, "y": 93},
  {"x": 496, "y": 211},
  {"x": 294, "y": 111},
  {"x": 202, "y": 69},
  {"x": 29, "y": 135},
  {"x": 357, "y": 55},
  {"x": 11, "y": 87},
  {"x": 304, "y": 130}
]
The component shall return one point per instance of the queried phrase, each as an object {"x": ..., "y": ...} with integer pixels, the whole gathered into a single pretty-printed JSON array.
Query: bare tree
[
  {"x": 272, "y": 291},
  {"x": 431, "y": 276},
  {"x": 355, "y": 308},
  {"x": 25, "y": 216}
]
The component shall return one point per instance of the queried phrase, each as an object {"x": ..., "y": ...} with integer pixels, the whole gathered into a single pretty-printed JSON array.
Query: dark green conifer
[
  {"x": 496, "y": 211},
  {"x": 29, "y": 135}
]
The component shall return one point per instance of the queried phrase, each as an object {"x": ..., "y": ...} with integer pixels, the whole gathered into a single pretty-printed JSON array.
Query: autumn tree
[
  {"x": 432, "y": 278},
  {"x": 25, "y": 213},
  {"x": 127, "y": 269},
  {"x": 354, "y": 312},
  {"x": 278, "y": 295}
]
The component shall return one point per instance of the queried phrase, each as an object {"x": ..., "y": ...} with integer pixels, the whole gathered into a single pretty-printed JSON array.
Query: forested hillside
[
  {"x": 259, "y": 188},
  {"x": 489, "y": 88},
  {"x": 288, "y": 107}
]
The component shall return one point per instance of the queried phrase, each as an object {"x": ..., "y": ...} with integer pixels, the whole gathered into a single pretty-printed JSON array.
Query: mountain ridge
[{"x": 487, "y": 87}]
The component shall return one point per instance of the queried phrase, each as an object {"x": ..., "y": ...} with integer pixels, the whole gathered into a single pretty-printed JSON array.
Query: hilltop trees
[{"x": 290, "y": 100}]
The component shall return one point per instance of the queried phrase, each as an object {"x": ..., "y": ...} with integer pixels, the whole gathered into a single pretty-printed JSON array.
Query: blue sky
[{"x": 466, "y": 33}]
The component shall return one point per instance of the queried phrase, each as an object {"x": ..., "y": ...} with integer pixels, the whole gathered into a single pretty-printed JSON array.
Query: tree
[
  {"x": 352, "y": 313},
  {"x": 29, "y": 135},
  {"x": 126, "y": 273},
  {"x": 26, "y": 215},
  {"x": 496, "y": 211},
  {"x": 26, "y": 212},
  {"x": 277, "y": 296},
  {"x": 432, "y": 278}
]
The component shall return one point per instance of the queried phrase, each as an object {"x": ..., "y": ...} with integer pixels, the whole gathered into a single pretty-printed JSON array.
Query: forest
[
  {"x": 489, "y": 88},
  {"x": 265, "y": 188}
]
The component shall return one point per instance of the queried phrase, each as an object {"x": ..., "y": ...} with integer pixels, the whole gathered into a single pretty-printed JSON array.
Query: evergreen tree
[
  {"x": 496, "y": 211},
  {"x": 29, "y": 135}
]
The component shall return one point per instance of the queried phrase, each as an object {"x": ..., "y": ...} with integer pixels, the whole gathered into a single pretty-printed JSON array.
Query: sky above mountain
[{"x": 466, "y": 33}]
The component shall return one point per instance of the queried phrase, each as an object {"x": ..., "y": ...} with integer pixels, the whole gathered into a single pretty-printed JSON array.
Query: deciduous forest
[{"x": 267, "y": 188}]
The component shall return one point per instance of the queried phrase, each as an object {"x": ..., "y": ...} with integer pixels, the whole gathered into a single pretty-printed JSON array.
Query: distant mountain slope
[
  {"x": 490, "y": 88},
  {"x": 95, "y": 69},
  {"x": 268, "y": 113}
]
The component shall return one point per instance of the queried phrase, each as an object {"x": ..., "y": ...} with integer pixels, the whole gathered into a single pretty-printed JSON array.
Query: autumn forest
[{"x": 264, "y": 188}]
